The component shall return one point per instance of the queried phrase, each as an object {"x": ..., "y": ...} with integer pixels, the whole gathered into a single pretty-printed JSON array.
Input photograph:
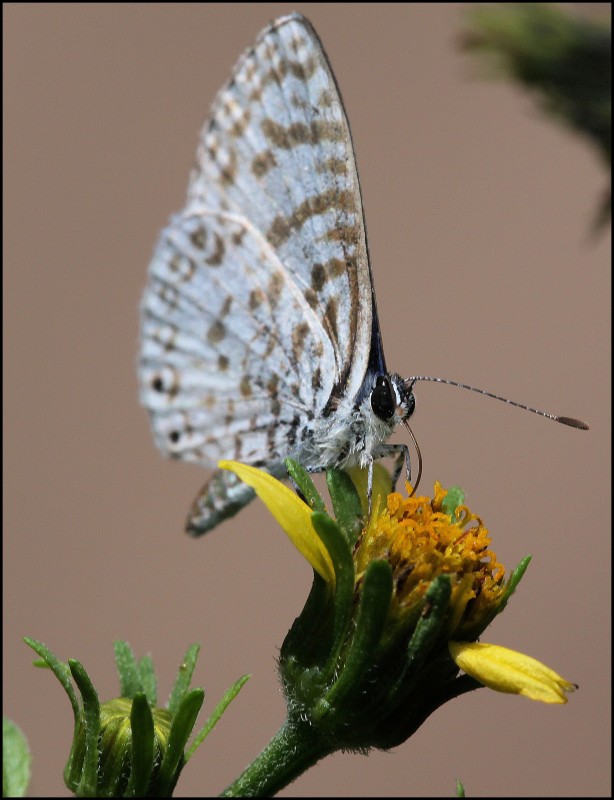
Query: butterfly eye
[{"x": 382, "y": 400}]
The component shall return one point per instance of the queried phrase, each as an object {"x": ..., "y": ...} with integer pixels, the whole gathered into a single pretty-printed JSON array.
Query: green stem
[{"x": 294, "y": 748}]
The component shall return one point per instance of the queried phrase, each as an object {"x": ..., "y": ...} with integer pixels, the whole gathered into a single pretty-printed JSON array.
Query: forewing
[{"x": 278, "y": 152}]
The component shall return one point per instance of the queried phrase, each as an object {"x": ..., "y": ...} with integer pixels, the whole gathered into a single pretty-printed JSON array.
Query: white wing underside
[{"x": 258, "y": 307}]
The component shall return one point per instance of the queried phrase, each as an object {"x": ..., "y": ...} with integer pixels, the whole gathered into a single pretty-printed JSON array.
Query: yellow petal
[
  {"x": 291, "y": 512},
  {"x": 382, "y": 486},
  {"x": 509, "y": 671}
]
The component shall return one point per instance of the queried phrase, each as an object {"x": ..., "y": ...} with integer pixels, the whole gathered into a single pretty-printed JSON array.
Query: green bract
[{"x": 129, "y": 747}]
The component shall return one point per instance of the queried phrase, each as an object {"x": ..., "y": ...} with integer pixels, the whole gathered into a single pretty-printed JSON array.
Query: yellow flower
[
  {"x": 421, "y": 541},
  {"x": 508, "y": 671},
  {"x": 291, "y": 512}
]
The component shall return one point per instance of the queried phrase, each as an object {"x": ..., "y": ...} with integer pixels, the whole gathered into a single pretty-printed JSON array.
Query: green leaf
[
  {"x": 184, "y": 677},
  {"x": 216, "y": 715},
  {"x": 301, "y": 479},
  {"x": 346, "y": 504},
  {"x": 16, "y": 760},
  {"x": 460, "y": 789},
  {"x": 128, "y": 670}
]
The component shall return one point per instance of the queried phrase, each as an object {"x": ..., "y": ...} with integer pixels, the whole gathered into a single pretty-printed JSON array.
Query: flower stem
[{"x": 295, "y": 747}]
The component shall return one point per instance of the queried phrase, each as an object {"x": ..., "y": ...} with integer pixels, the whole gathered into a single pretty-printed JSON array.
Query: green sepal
[
  {"x": 374, "y": 603},
  {"x": 149, "y": 682},
  {"x": 308, "y": 640},
  {"x": 216, "y": 715},
  {"x": 302, "y": 480},
  {"x": 127, "y": 669},
  {"x": 142, "y": 727},
  {"x": 87, "y": 784},
  {"x": 343, "y": 564},
  {"x": 181, "y": 728},
  {"x": 60, "y": 670},
  {"x": 346, "y": 504},
  {"x": 62, "y": 673},
  {"x": 428, "y": 628},
  {"x": 184, "y": 677},
  {"x": 515, "y": 577},
  {"x": 472, "y": 632},
  {"x": 454, "y": 498},
  {"x": 16, "y": 760},
  {"x": 425, "y": 638}
]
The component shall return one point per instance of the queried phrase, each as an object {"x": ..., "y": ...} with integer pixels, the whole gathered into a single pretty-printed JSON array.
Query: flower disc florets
[{"x": 420, "y": 540}]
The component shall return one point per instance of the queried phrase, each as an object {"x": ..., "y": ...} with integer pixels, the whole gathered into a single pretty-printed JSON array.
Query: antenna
[{"x": 570, "y": 421}]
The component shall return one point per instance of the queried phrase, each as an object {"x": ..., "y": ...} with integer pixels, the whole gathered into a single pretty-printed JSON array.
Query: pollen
[{"x": 421, "y": 542}]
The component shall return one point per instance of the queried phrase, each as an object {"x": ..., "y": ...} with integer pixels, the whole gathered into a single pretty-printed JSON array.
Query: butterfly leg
[{"x": 400, "y": 453}]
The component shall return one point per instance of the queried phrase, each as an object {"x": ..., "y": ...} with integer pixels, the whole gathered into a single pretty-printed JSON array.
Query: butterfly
[{"x": 259, "y": 330}]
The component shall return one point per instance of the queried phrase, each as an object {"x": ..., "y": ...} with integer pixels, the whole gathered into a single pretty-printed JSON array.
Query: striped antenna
[{"x": 570, "y": 421}]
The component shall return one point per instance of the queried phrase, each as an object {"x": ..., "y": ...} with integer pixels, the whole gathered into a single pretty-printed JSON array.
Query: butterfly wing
[{"x": 258, "y": 308}]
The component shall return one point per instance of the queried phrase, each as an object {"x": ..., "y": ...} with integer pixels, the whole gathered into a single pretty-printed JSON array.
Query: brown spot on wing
[
  {"x": 262, "y": 163},
  {"x": 318, "y": 277},
  {"x": 228, "y": 171},
  {"x": 216, "y": 332},
  {"x": 199, "y": 238},
  {"x": 273, "y": 384},
  {"x": 256, "y": 296},
  {"x": 245, "y": 386},
  {"x": 183, "y": 268},
  {"x": 239, "y": 126},
  {"x": 299, "y": 333},
  {"x": 320, "y": 273},
  {"x": 332, "y": 166},
  {"x": 330, "y": 321},
  {"x": 282, "y": 227},
  {"x": 301, "y": 133},
  {"x": 326, "y": 99},
  {"x": 297, "y": 43},
  {"x": 238, "y": 236},
  {"x": 311, "y": 297},
  {"x": 216, "y": 258},
  {"x": 226, "y": 307},
  {"x": 170, "y": 388},
  {"x": 274, "y": 288}
]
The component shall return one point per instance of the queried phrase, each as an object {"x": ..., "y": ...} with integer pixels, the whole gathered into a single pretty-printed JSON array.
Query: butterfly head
[{"x": 391, "y": 397}]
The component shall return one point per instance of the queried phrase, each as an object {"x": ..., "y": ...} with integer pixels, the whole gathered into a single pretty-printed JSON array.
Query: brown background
[{"x": 478, "y": 211}]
